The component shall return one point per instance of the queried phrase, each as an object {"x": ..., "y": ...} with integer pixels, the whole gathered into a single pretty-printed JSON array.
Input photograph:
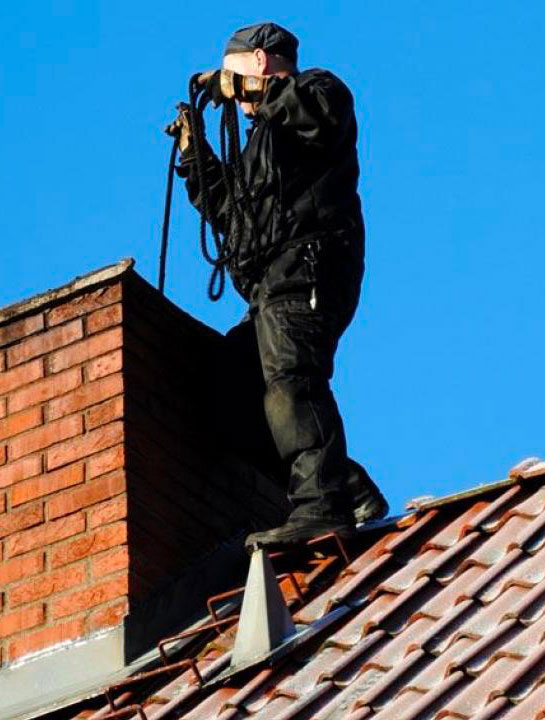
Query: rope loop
[{"x": 226, "y": 248}]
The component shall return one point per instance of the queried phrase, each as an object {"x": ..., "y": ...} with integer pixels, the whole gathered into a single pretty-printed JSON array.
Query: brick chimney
[{"x": 112, "y": 483}]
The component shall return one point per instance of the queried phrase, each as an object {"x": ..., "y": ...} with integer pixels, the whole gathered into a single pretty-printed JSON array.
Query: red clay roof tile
[
  {"x": 490, "y": 517},
  {"x": 532, "y": 506},
  {"x": 497, "y": 545},
  {"x": 447, "y": 629},
  {"x": 358, "y": 653},
  {"x": 365, "y": 583},
  {"x": 393, "y": 681},
  {"x": 524, "y": 678},
  {"x": 405, "y": 605},
  {"x": 456, "y": 529},
  {"x": 420, "y": 528},
  {"x": 401, "y": 580},
  {"x": 532, "y": 537},
  {"x": 440, "y": 666},
  {"x": 479, "y": 692},
  {"x": 531, "y": 708},
  {"x": 531, "y": 605},
  {"x": 452, "y": 593},
  {"x": 401, "y": 645},
  {"x": 425, "y": 705},
  {"x": 486, "y": 618}
]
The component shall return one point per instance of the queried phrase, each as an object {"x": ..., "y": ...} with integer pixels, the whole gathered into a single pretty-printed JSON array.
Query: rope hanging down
[{"x": 225, "y": 248}]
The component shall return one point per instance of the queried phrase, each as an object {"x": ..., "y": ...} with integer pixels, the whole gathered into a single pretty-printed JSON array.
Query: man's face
[{"x": 244, "y": 64}]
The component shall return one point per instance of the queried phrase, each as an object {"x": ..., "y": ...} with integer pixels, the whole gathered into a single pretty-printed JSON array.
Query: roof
[{"x": 438, "y": 614}]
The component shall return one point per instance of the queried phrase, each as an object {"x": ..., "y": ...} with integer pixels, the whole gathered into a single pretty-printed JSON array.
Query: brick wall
[
  {"x": 63, "y": 553},
  {"x": 111, "y": 477}
]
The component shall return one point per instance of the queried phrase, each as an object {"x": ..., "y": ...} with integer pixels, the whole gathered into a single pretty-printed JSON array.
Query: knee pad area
[{"x": 293, "y": 416}]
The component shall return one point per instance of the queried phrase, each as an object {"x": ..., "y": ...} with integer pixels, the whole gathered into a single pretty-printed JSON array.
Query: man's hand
[
  {"x": 225, "y": 85},
  {"x": 181, "y": 127}
]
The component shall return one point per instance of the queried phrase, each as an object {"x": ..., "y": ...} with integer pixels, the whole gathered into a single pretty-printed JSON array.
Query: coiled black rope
[{"x": 239, "y": 202}]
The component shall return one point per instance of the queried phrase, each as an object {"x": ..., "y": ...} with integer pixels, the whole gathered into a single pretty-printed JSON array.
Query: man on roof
[{"x": 302, "y": 279}]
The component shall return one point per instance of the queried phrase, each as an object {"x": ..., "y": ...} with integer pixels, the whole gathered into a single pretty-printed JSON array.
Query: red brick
[
  {"x": 23, "y": 567},
  {"x": 3, "y": 455},
  {"x": 88, "y": 494},
  {"x": 111, "y": 562},
  {"x": 84, "y": 304},
  {"x": 102, "y": 539},
  {"x": 43, "y": 390},
  {"x": 108, "y": 616},
  {"x": 83, "y": 351},
  {"x": 12, "y": 379},
  {"x": 90, "y": 597},
  {"x": 104, "y": 318},
  {"x": 21, "y": 328},
  {"x": 15, "y": 622},
  {"x": 104, "y": 413},
  {"x": 25, "y": 468},
  {"x": 2, "y": 361},
  {"x": 46, "y": 534},
  {"x": 104, "y": 365},
  {"x": 84, "y": 396},
  {"x": 88, "y": 444},
  {"x": 45, "y": 343},
  {"x": 47, "y": 484},
  {"x": 15, "y": 424},
  {"x": 2, "y": 503},
  {"x": 107, "y": 512},
  {"x": 112, "y": 459},
  {"x": 21, "y": 519},
  {"x": 3, "y": 407},
  {"x": 46, "y": 585},
  {"x": 46, "y": 638},
  {"x": 45, "y": 436}
]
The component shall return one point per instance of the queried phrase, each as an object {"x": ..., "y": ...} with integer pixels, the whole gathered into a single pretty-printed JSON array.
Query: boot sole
[{"x": 260, "y": 539}]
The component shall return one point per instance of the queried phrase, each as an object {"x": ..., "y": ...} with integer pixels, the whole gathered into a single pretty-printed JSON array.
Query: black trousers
[{"x": 281, "y": 362}]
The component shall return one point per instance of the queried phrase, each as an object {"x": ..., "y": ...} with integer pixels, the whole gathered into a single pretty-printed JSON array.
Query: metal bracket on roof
[{"x": 265, "y": 621}]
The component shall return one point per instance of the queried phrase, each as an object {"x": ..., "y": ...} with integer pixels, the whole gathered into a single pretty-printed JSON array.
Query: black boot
[
  {"x": 368, "y": 503},
  {"x": 300, "y": 529}
]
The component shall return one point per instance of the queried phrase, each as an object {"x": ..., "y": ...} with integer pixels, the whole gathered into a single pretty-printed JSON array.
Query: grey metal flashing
[
  {"x": 71, "y": 672},
  {"x": 65, "y": 675},
  {"x": 83, "y": 282}
]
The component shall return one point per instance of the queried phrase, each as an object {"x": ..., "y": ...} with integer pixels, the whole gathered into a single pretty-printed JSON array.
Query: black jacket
[{"x": 301, "y": 167}]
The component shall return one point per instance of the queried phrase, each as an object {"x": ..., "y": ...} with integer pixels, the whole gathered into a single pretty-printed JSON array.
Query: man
[{"x": 299, "y": 264}]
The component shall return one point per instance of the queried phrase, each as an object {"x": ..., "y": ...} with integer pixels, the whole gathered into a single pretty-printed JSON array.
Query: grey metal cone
[{"x": 265, "y": 621}]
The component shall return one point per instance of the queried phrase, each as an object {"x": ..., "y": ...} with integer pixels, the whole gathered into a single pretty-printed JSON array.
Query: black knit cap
[{"x": 268, "y": 36}]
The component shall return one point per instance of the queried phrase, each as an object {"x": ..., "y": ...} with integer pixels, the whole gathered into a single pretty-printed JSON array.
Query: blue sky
[{"x": 440, "y": 376}]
